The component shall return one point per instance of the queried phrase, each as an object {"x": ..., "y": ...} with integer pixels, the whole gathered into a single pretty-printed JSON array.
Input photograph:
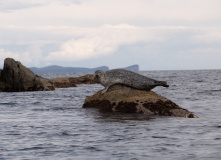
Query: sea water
[{"x": 53, "y": 125}]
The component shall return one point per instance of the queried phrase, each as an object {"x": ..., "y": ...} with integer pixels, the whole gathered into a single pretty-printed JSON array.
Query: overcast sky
[{"x": 155, "y": 34}]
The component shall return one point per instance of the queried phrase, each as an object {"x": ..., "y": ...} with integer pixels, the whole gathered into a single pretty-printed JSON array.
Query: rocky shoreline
[{"x": 15, "y": 77}]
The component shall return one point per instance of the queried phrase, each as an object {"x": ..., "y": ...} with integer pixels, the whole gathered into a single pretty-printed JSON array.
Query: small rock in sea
[{"x": 121, "y": 98}]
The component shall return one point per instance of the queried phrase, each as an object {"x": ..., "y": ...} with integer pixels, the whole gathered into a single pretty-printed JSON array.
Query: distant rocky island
[
  {"x": 134, "y": 68},
  {"x": 55, "y": 68}
]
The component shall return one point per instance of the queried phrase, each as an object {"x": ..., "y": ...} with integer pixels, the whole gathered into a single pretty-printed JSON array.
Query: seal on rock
[{"x": 128, "y": 78}]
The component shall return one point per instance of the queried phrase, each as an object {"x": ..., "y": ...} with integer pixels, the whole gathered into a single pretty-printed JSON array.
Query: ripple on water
[{"x": 53, "y": 125}]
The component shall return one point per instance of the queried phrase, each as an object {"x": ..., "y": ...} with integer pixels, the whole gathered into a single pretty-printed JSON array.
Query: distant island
[
  {"x": 55, "y": 68},
  {"x": 134, "y": 68}
]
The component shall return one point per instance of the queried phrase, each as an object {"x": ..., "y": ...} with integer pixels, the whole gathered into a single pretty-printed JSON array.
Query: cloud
[
  {"x": 102, "y": 41},
  {"x": 106, "y": 40},
  {"x": 154, "y": 45},
  {"x": 62, "y": 31},
  {"x": 209, "y": 35},
  {"x": 88, "y": 13},
  {"x": 11, "y": 5},
  {"x": 23, "y": 35},
  {"x": 22, "y": 57}
]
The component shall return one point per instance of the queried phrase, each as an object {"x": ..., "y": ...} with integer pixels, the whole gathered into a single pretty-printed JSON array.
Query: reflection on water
[{"x": 122, "y": 118}]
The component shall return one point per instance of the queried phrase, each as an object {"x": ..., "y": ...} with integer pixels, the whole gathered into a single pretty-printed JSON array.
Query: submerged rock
[
  {"x": 120, "y": 98},
  {"x": 16, "y": 78}
]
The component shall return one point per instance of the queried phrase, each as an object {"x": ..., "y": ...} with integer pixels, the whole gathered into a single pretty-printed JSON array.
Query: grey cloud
[
  {"x": 27, "y": 36},
  {"x": 75, "y": 1},
  {"x": 175, "y": 47},
  {"x": 10, "y": 6}
]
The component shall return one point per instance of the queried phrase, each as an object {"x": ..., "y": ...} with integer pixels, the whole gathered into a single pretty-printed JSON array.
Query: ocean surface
[{"x": 53, "y": 125}]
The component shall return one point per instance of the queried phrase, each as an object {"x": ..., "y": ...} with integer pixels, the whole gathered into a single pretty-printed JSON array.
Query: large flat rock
[{"x": 120, "y": 98}]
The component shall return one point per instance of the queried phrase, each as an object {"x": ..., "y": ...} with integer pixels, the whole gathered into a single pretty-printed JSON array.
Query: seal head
[{"x": 99, "y": 76}]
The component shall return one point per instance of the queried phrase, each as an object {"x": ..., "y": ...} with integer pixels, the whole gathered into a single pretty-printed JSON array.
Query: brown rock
[
  {"x": 62, "y": 82},
  {"x": 86, "y": 79},
  {"x": 47, "y": 83},
  {"x": 2, "y": 85},
  {"x": 124, "y": 99},
  {"x": 16, "y": 78}
]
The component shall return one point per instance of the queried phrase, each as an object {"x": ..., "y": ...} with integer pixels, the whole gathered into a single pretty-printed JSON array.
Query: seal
[{"x": 128, "y": 78}]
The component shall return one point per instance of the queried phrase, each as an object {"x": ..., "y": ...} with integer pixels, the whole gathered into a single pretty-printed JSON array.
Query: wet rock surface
[{"x": 120, "y": 98}]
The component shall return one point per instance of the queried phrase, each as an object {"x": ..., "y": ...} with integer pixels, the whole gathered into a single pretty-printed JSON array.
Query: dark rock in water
[
  {"x": 17, "y": 78},
  {"x": 120, "y": 98},
  {"x": 64, "y": 82}
]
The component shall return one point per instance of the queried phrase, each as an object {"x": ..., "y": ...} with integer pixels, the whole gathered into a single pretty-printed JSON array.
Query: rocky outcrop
[
  {"x": 64, "y": 82},
  {"x": 16, "y": 78},
  {"x": 86, "y": 79},
  {"x": 124, "y": 99}
]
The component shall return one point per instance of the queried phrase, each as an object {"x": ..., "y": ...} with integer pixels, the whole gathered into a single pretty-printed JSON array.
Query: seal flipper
[
  {"x": 104, "y": 90},
  {"x": 107, "y": 87}
]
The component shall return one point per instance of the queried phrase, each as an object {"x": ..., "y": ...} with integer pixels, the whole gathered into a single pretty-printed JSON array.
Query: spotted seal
[{"x": 128, "y": 78}]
